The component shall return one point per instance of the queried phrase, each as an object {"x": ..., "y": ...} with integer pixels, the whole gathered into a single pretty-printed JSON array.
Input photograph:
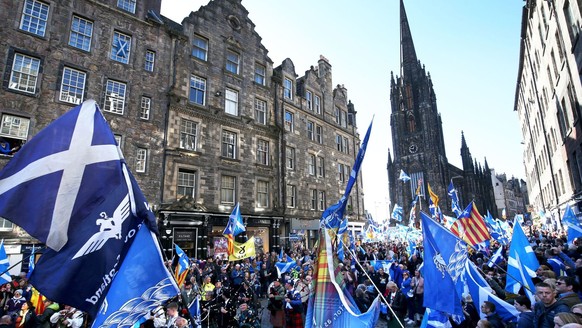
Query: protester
[
  {"x": 275, "y": 306},
  {"x": 14, "y": 304},
  {"x": 50, "y": 308},
  {"x": 418, "y": 283},
  {"x": 26, "y": 317},
  {"x": 567, "y": 289},
  {"x": 293, "y": 307},
  {"x": 397, "y": 301},
  {"x": 546, "y": 309},
  {"x": 488, "y": 310},
  {"x": 564, "y": 318},
  {"x": 523, "y": 304},
  {"x": 71, "y": 317}
]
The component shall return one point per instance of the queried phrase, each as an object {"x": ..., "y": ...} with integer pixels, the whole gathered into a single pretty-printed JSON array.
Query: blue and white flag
[
  {"x": 522, "y": 263},
  {"x": 31, "y": 259},
  {"x": 403, "y": 176},
  {"x": 454, "y": 199},
  {"x": 284, "y": 267},
  {"x": 4, "y": 265},
  {"x": 397, "y": 213},
  {"x": 235, "y": 225},
  {"x": 332, "y": 215},
  {"x": 481, "y": 291},
  {"x": 342, "y": 234},
  {"x": 142, "y": 283},
  {"x": 80, "y": 200},
  {"x": 571, "y": 221},
  {"x": 445, "y": 256},
  {"x": 496, "y": 258},
  {"x": 435, "y": 319},
  {"x": 195, "y": 313}
]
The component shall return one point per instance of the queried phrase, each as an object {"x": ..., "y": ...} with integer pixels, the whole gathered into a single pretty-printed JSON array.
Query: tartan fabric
[
  {"x": 294, "y": 319},
  {"x": 470, "y": 226}
]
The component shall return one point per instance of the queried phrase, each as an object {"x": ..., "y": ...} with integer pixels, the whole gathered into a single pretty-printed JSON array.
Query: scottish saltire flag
[
  {"x": 496, "y": 258},
  {"x": 62, "y": 175},
  {"x": 182, "y": 267},
  {"x": 332, "y": 216},
  {"x": 522, "y": 263},
  {"x": 403, "y": 176},
  {"x": 80, "y": 200},
  {"x": 435, "y": 319},
  {"x": 471, "y": 226},
  {"x": 331, "y": 304},
  {"x": 343, "y": 238},
  {"x": 141, "y": 284},
  {"x": 411, "y": 248},
  {"x": 397, "y": 213},
  {"x": 445, "y": 256},
  {"x": 481, "y": 291},
  {"x": 571, "y": 221},
  {"x": 31, "y": 259},
  {"x": 454, "y": 199},
  {"x": 284, "y": 267},
  {"x": 195, "y": 313},
  {"x": 384, "y": 264},
  {"x": 495, "y": 229},
  {"x": 4, "y": 265},
  {"x": 235, "y": 225}
]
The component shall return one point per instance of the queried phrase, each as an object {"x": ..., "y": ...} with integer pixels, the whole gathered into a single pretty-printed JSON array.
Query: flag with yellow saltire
[{"x": 243, "y": 250}]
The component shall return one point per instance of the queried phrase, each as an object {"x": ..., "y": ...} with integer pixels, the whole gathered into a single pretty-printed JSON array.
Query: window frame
[
  {"x": 231, "y": 102},
  {"x": 141, "y": 160},
  {"x": 314, "y": 203},
  {"x": 260, "y": 77},
  {"x": 309, "y": 99},
  {"x": 145, "y": 108},
  {"x": 263, "y": 152},
  {"x": 127, "y": 5},
  {"x": 310, "y": 126},
  {"x": 23, "y": 129},
  {"x": 228, "y": 148},
  {"x": 68, "y": 98},
  {"x": 188, "y": 134},
  {"x": 232, "y": 64},
  {"x": 321, "y": 198},
  {"x": 80, "y": 34},
  {"x": 118, "y": 37},
  {"x": 116, "y": 85},
  {"x": 291, "y": 196},
  {"x": 149, "y": 61},
  {"x": 289, "y": 124},
  {"x": 186, "y": 176},
  {"x": 197, "y": 50},
  {"x": 198, "y": 85},
  {"x": 28, "y": 71},
  {"x": 287, "y": 88},
  {"x": 231, "y": 190},
  {"x": 40, "y": 21},
  {"x": 312, "y": 164},
  {"x": 290, "y": 159},
  {"x": 263, "y": 199},
  {"x": 317, "y": 104},
  {"x": 260, "y": 111}
]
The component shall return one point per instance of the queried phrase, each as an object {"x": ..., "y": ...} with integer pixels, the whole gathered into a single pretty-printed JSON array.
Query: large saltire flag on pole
[
  {"x": 522, "y": 263},
  {"x": 471, "y": 226},
  {"x": 332, "y": 216},
  {"x": 571, "y": 221},
  {"x": 81, "y": 201},
  {"x": 445, "y": 256},
  {"x": 452, "y": 191},
  {"x": 397, "y": 212},
  {"x": 142, "y": 284},
  {"x": 4, "y": 265},
  {"x": 234, "y": 227},
  {"x": 182, "y": 267},
  {"x": 403, "y": 176}
]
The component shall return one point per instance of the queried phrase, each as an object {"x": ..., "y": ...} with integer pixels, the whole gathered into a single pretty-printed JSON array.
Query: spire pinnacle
[{"x": 408, "y": 60}]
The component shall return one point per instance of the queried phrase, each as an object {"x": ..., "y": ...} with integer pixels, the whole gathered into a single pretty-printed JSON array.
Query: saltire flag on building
[
  {"x": 195, "y": 313},
  {"x": 182, "y": 267},
  {"x": 571, "y": 221},
  {"x": 522, "y": 263},
  {"x": 81, "y": 201},
  {"x": 31, "y": 261},
  {"x": 332, "y": 216},
  {"x": 234, "y": 227},
  {"x": 481, "y": 291},
  {"x": 471, "y": 226},
  {"x": 141, "y": 285},
  {"x": 496, "y": 258},
  {"x": 403, "y": 176},
  {"x": 397, "y": 212},
  {"x": 331, "y": 294},
  {"x": 243, "y": 250},
  {"x": 454, "y": 199},
  {"x": 4, "y": 265},
  {"x": 444, "y": 263}
]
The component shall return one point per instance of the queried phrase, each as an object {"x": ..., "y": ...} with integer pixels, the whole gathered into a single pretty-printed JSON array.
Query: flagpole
[{"x": 372, "y": 282}]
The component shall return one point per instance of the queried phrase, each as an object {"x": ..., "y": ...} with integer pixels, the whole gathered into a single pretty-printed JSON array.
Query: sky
[{"x": 470, "y": 49}]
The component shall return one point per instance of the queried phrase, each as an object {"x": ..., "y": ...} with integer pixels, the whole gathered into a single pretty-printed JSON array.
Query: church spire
[{"x": 408, "y": 60}]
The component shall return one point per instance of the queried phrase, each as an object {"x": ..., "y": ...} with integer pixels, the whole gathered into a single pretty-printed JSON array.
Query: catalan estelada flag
[
  {"x": 234, "y": 227},
  {"x": 470, "y": 226},
  {"x": 38, "y": 301},
  {"x": 182, "y": 267}
]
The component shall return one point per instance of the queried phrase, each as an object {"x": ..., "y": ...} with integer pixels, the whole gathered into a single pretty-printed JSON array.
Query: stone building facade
[
  {"x": 241, "y": 131},
  {"x": 418, "y": 143},
  {"x": 55, "y": 54},
  {"x": 510, "y": 195},
  {"x": 547, "y": 101}
]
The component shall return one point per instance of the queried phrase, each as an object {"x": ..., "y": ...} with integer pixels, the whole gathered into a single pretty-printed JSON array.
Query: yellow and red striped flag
[
  {"x": 470, "y": 226},
  {"x": 37, "y": 299}
]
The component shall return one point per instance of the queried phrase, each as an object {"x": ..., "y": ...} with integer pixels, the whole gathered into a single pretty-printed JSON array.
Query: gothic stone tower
[{"x": 417, "y": 134}]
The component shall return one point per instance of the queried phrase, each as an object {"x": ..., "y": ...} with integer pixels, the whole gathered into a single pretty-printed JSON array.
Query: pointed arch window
[{"x": 411, "y": 123}]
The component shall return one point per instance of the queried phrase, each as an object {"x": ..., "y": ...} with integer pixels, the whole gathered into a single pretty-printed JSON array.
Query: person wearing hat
[
  {"x": 276, "y": 297},
  {"x": 247, "y": 317},
  {"x": 187, "y": 292},
  {"x": 15, "y": 303},
  {"x": 227, "y": 309}
]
